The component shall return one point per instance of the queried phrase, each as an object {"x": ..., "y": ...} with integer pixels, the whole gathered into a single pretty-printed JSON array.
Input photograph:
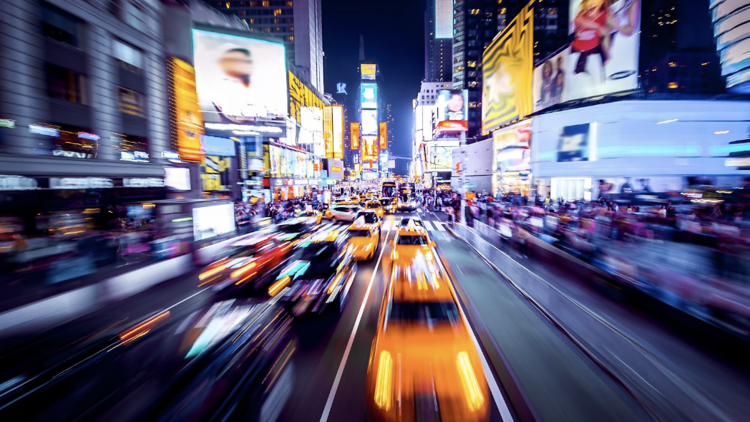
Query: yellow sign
[
  {"x": 369, "y": 148},
  {"x": 185, "y": 115},
  {"x": 338, "y": 132},
  {"x": 215, "y": 173},
  {"x": 383, "y": 135},
  {"x": 369, "y": 71},
  {"x": 507, "y": 69},
  {"x": 354, "y": 135},
  {"x": 301, "y": 96},
  {"x": 328, "y": 131}
]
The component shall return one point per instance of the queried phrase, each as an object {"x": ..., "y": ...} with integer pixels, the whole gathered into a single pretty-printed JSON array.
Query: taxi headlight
[{"x": 384, "y": 380}]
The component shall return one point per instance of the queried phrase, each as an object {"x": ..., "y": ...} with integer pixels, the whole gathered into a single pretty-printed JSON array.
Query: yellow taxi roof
[
  {"x": 420, "y": 284},
  {"x": 357, "y": 226},
  {"x": 412, "y": 231}
]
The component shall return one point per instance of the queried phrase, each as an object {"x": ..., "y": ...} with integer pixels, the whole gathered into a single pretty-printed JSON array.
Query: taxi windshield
[
  {"x": 359, "y": 233},
  {"x": 411, "y": 240},
  {"x": 373, "y": 205},
  {"x": 370, "y": 217},
  {"x": 423, "y": 312}
]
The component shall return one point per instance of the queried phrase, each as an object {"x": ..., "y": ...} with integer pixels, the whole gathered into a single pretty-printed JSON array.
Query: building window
[
  {"x": 131, "y": 102},
  {"x": 277, "y": 12},
  {"x": 60, "y": 26},
  {"x": 127, "y": 56},
  {"x": 65, "y": 84},
  {"x": 133, "y": 15},
  {"x": 265, "y": 3},
  {"x": 290, "y": 3}
]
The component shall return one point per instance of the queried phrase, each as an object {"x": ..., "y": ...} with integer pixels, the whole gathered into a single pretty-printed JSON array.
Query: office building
[
  {"x": 475, "y": 25},
  {"x": 438, "y": 41},
  {"x": 297, "y": 22}
]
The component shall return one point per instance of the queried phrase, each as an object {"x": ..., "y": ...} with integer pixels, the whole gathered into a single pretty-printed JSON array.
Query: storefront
[
  {"x": 635, "y": 149},
  {"x": 511, "y": 164},
  {"x": 291, "y": 172}
]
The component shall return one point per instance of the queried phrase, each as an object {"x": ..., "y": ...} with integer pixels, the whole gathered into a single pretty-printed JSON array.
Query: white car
[{"x": 345, "y": 213}]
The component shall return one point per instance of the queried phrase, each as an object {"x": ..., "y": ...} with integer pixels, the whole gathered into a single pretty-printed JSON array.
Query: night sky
[{"x": 393, "y": 31}]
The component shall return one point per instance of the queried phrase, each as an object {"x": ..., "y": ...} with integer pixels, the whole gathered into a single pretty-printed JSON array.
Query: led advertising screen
[
  {"x": 383, "y": 135},
  {"x": 507, "y": 68},
  {"x": 369, "y": 122},
  {"x": 440, "y": 157},
  {"x": 239, "y": 79},
  {"x": 338, "y": 131},
  {"x": 369, "y": 95},
  {"x": 213, "y": 221},
  {"x": 369, "y": 71},
  {"x": 604, "y": 52},
  {"x": 453, "y": 104},
  {"x": 573, "y": 144},
  {"x": 370, "y": 149},
  {"x": 443, "y": 19},
  {"x": 354, "y": 135},
  {"x": 730, "y": 23},
  {"x": 186, "y": 118},
  {"x": 549, "y": 81}
]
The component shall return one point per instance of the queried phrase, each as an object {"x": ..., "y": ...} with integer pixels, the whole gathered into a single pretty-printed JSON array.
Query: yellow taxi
[
  {"x": 423, "y": 363},
  {"x": 313, "y": 215},
  {"x": 364, "y": 239},
  {"x": 410, "y": 240},
  {"x": 375, "y": 206}
]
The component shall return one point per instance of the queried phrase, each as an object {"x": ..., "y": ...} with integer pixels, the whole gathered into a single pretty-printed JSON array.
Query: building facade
[
  {"x": 298, "y": 23},
  {"x": 437, "y": 51}
]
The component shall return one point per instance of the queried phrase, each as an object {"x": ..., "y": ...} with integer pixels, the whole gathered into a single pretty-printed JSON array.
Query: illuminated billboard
[
  {"x": 327, "y": 132},
  {"x": 453, "y": 104},
  {"x": 186, "y": 118},
  {"x": 730, "y": 21},
  {"x": 440, "y": 155},
  {"x": 443, "y": 19},
  {"x": 507, "y": 68},
  {"x": 602, "y": 58},
  {"x": 369, "y": 71},
  {"x": 383, "y": 135},
  {"x": 369, "y": 122},
  {"x": 354, "y": 135},
  {"x": 239, "y": 79},
  {"x": 369, "y": 95},
  {"x": 370, "y": 150},
  {"x": 549, "y": 81},
  {"x": 338, "y": 131},
  {"x": 307, "y": 109}
]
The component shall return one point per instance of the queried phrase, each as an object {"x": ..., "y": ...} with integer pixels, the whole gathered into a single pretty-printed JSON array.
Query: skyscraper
[
  {"x": 438, "y": 41},
  {"x": 297, "y": 22}
]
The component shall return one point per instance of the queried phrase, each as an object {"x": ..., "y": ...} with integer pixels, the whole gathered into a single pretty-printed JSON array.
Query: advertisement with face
[
  {"x": 638, "y": 185},
  {"x": 574, "y": 143},
  {"x": 507, "y": 69},
  {"x": 239, "y": 79},
  {"x": 369, "y": 97},
  {"x": 549, "y": 82},
  {"x": 604, "y": 52},
  {"x": 369, "y": 122},
  {"x": 453, "y": 104}
]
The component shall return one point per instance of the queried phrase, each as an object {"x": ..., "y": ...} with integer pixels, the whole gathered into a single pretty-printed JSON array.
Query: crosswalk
[{"x": 389, "y": 225}]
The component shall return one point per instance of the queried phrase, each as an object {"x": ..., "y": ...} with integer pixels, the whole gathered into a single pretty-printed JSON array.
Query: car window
[
  {"x": 373, "y": 205},
  {"x": 370, "y": 217},
  {"x": 359, "y": 233},
  {"x": 411, "y": 240},
  {"x": 423, "y": 312}
]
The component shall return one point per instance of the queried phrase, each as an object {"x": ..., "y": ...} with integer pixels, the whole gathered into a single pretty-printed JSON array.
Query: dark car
[{"x": 319, "y": 274}]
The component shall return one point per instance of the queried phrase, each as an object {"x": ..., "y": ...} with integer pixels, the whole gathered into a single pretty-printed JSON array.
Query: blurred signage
[
  {"x": 549, "y": 81},
  {"x": 338, "y": 131},
  {"x": 391, "y": 164},
  {"x": 17, "y": 183},
  {"x": 80, "y": 183},
  {"x": 370, "y": 148},
  {"x": 143, "y": 182},
  {"x": 354, "y": 135},
  {"x": 737, "y": 162},
  {"x": 453, "y": 104},
  {"x": 328, "y": 131},
  {"x": 306, "y": 108},
  {"x": 44, "y": 130},
  {"x": 574, "y": 143},
  {"x": 341, "y": 88},
  {"x": 134, "y": 156},
  {"x": 452, "y": 126},
  {"x": 8, "y": 123},
  {"x": 185, "y": 115},
  {"x": 383, "y": 135},
  {"x": 730, "y": 20},
  {"x": 369, "y": 71},
  {"x": 369, "y": 122},
  {"x": 369, "y": 95},
  {"x": 215, "y": 145},
  {"x": 336, "y": 169},
  {"x": 509, "y": 58},
  {"x": 171, "y": 156},
  {"x": 515, "y": 136}
]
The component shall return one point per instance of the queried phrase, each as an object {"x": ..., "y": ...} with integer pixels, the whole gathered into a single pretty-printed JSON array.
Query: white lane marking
[
  {"x": 427, "y": 225},
  {"x": 387, "y": 225},
  {"x": 187, "y": 298},
  {"x": 340, "y": 372},
  {"x": 439, "y": 226},
  {"x": 500, "y": 403}
]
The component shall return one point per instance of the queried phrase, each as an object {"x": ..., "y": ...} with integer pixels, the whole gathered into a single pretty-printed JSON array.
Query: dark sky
[{"x": 394, "y": 39}]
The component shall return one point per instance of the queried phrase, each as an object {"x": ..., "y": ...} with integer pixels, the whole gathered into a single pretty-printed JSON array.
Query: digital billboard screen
[
  {"x": 369, "y": 95},
  {"x": 327, "y": 132},
  {"x": 573, "y": 144},
  {"x": 549, "y": 81},
  {"x": 383, "y": 135},
  {"x": 370, "y": 150},
  {"x": 354, "y": 135},
  {"x": 507, "y": 68},
  {"x": 443, "y": 19},
  {"x": 186, "y": 117},
  {"x": 604, "y": 52},
  {"x": 369, "y": 122},
  {"x": 239, "y": 79},
  {"x": 369, "y": 71},
  {"x": 338, "y": 131},
  {"x": 453, "y": 104}
]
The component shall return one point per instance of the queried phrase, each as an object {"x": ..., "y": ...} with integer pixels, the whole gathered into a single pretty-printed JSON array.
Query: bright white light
[
  {"x": 668, "y": 121},
  {"x": 721, "y": 132}
]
